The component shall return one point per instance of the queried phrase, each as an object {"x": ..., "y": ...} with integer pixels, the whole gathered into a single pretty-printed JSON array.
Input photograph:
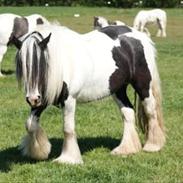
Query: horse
[
  {"x": 156, "y": 16},
  {"x": 58, "y": 66},
  {"x": 15, "y": 25},
  {"x": 100, "y": 22}
]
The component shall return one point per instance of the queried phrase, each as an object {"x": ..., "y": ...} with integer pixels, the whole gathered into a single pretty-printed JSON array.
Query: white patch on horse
[{"x": 99, "y": 68}]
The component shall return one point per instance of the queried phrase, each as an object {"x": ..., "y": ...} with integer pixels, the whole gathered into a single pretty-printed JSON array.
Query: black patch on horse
[
  {"x": 39, "y": 21},
  {"x": 63, "y": 95},
  {"x": 159, "y": 24},
  {"x": 39, "y": 68},
  {"x": 19, "y": 72},
  {"x": 113, "y": 23},
  {"x": 95, "y": 23},
  {"x": 132, "y": 69},
  {"x": 20, "y": 28},
  {"x": 114, "y": 31}
]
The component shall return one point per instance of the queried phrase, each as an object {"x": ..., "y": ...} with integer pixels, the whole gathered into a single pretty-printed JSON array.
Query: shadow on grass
[
  {"x": 13, "y": 155},
  {"x": 85, "y": 144},
  {"x": 8, "y": 72}
]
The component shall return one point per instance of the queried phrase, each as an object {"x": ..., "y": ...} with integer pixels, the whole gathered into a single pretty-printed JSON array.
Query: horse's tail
[
  {"x": 155, "y": 87},
  {"x": 141, "y": 116},
  {"x": 142, "y": 120},
  {"x": 156, "y": 90}
]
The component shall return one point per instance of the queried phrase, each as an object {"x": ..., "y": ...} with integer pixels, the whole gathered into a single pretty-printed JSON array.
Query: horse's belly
[
  {"x": 94, "y": 92},
  {"x": 97, "y": 85}
]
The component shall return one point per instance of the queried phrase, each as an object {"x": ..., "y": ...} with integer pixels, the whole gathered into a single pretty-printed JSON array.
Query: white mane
[{"x": 61, "y": 35}]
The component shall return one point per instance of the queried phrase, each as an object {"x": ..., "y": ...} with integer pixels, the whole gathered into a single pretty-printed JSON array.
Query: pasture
[{"x": 98, "y": 124}]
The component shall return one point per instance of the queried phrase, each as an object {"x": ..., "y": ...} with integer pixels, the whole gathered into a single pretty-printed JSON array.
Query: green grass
[{"x": 99, "y": 125}]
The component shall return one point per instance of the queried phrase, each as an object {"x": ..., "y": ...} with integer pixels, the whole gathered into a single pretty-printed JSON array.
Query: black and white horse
[
  {"x": 101, "y": 22},
  {"x": 59, "y": 66},
  {"x": 15, "y": 25}
]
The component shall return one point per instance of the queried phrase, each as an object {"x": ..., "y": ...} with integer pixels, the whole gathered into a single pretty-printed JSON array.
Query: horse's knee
[
  {"x": 149, "y": 106},
  {"x": 31, "y": 124}
]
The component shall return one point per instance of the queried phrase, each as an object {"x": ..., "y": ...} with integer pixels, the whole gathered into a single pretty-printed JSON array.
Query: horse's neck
[{"x": 105, "y": 23}]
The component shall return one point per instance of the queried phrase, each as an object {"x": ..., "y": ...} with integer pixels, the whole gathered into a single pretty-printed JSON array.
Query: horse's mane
[{"x": 55, "y": 47}]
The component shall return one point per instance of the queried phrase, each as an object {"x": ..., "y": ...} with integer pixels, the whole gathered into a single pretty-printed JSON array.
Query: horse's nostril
[{"x": 33, "y": 100}]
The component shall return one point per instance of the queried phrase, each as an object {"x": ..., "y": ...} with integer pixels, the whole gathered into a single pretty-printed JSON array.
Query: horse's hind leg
[
  {"x": 163, "y": 25},
  {"x": 151, "y": 102},
  {"x": 130, "y": 142},
  {"x": 155, "y": 135},
  {"x": 161, "y": 28},
  {"x": 3, "y": 49}
]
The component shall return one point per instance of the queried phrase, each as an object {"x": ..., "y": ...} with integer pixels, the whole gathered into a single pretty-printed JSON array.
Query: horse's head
[
  {"x": 100, "y": 22},
  {"x": 32, "y": 66}
]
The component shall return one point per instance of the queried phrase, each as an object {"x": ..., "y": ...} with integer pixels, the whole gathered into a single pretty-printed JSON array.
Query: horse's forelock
[{"x": 31, "y": 62}]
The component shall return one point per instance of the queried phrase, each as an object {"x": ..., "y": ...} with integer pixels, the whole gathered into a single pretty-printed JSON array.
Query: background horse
[
  {"x": 100, "y": 22},
  {"x": 65, "y": 67},
  {"x": 14, "y": 25},
  {"x": 145, "y": 17}
]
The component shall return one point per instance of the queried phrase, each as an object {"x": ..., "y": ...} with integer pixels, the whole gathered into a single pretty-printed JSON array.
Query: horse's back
[
  {"x": 114, "y": 31},
  {"x": 8, "y": 15}
]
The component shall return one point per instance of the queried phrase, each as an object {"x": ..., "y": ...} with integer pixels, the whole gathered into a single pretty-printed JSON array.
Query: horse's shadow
[{"x": 13, "y": 155}]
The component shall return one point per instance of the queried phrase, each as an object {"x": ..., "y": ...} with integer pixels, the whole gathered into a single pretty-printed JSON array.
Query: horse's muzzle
[{"x": 34, "y": 101}]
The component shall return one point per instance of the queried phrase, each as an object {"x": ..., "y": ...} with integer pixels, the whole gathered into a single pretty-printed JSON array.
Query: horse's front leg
[
  {"x": 35, "y": 144},
  {"x": 147, "y": 32},
  {"x": 70, "y": 151}
]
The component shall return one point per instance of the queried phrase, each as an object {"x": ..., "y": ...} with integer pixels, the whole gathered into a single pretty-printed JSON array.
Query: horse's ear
[
  {"x": 16, "y": 42},
  {"x": 44, "y": 42}
]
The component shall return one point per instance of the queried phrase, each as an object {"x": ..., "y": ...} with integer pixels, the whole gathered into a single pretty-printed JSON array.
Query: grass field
[{"x": 99, "y": 125}]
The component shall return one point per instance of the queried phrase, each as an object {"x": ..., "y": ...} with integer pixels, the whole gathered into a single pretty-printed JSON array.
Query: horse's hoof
[
  {"x": 120, "y": 151},
  {"x": 126, "y": 150},
  {"x": 151, "y": 148},
  {"x": 68, "y": 160}
]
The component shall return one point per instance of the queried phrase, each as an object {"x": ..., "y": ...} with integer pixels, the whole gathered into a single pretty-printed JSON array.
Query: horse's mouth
[{"x": 34, "y": 104}]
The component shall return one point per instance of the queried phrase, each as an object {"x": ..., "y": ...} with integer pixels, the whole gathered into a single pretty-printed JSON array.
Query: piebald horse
[
  {"x": 59, "y": 67},
  {"x": 15, "y": 25},
  {"x": 156, "y": 16},
  {"x": 101, "y": 22}
]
